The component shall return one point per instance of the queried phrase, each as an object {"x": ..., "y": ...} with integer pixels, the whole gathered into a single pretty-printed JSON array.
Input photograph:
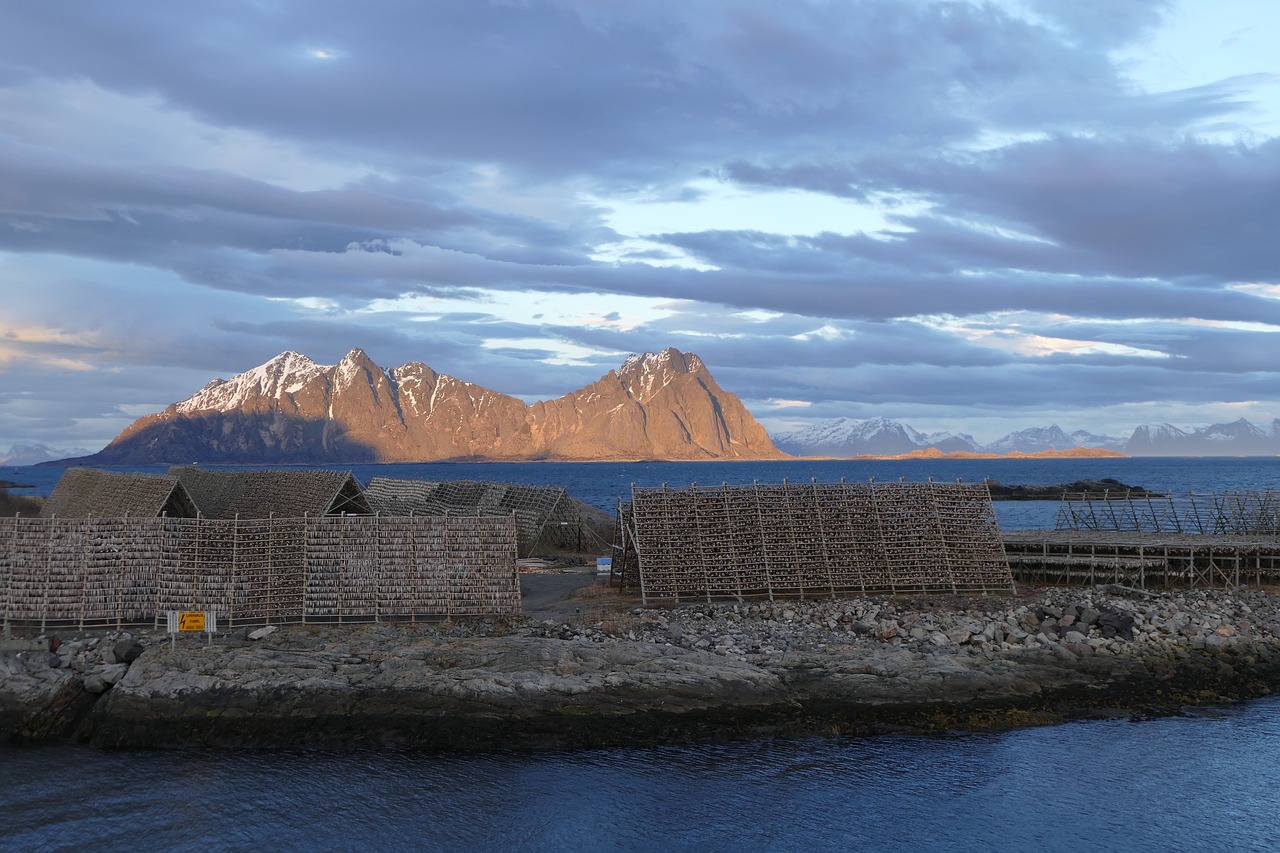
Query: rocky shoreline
[{"x": 634, "y": 675}]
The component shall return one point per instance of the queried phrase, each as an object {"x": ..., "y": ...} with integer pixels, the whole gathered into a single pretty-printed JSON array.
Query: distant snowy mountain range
[
  {"x": 34, "y": 454},
  {"x": 884, "y": 437}
]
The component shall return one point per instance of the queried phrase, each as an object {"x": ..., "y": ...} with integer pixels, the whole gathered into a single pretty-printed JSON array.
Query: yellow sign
[{"x": 190, "y": 621}]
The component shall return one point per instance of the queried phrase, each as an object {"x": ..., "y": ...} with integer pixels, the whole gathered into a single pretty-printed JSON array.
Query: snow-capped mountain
[
  {"x": 949, "y": 442},
  {"x": 1237, "y": 438},
  {"x": 1032, "y": 440},
  {"x": 849, "y": 437},
  {"x": 281, "y": 377},
  {"x": 884, "y": 437},
  {"x": 1084, "y": 438},
  {"x": 845, "y": 437},
  {"x": 871, "y": 437},
  {"x": 662, "y": 405},
  {"x": 1037, "y": 439},
  {"x": 34, "y": 454}
]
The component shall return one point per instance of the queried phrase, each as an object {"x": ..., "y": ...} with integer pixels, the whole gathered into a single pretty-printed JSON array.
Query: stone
[
  {"x": 112, "y": 673},
  {"x": 95, "y": 683},
  {"x": 263, "y": 633},
  {"x": 126, "y": 650},
  {"x": 1115, "y": 625}
]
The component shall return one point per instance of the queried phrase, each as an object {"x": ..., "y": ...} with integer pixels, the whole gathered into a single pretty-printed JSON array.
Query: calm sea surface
[
  {"x": 1209, "y": 780},
  {"x": 1205, "y": 782},
  {"x": 603, "y": 483}
]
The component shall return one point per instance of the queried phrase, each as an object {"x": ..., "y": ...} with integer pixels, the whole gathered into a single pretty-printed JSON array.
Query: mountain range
[
  {"x": 292, "y": 410},
  {"x": 663, "y": 405},
  {"x": 33, "y": 454},
  {"x": 845, "y": 437}
]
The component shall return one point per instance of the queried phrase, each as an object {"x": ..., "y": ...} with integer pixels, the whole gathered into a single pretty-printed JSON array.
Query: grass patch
[{"x": 11, "y": 505}]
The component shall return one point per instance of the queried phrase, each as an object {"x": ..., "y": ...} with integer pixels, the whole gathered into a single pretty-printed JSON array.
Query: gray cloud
[{"x": 189, "y": 191}]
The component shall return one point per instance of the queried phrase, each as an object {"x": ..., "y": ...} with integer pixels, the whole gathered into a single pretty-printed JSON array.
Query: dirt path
[{"x": 547, "y": 595}]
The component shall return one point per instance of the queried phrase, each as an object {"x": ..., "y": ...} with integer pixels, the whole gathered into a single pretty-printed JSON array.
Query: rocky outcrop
[
  {"x": 1103, "y": 489},
  {"x": 654, "y": 676},
  {"x": 292, "y": 410}
]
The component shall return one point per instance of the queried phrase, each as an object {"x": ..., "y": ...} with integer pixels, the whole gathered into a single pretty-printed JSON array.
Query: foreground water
[
  {"x": 1206, "y": 781},
  {"x": 1209, "y": 780}
]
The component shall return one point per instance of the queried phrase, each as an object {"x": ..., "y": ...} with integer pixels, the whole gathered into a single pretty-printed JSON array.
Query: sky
[{"x": 965, "y": 216}]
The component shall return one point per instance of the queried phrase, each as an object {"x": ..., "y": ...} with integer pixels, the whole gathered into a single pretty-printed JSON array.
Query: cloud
[
  {"x": 943, "y": 207},
  {"x": 1104, "y": 23}
]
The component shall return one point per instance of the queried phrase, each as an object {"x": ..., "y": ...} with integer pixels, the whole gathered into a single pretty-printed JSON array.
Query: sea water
[
  {"x": 603, "y": 484},
  {"x": 1207, "y": 780}
]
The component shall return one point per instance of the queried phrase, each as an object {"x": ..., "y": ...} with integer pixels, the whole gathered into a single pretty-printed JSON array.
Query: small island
[{"x": 1079, "y": 490}]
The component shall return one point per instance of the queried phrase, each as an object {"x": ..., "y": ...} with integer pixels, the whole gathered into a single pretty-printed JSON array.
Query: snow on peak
[
  {"x": 351, "y": 366},
  {"x": 1160, "y": 430},
  {"x": 285, "y": 374},
  {"x": 650, "y": 372},
  {"x": 847, "y": 436}
]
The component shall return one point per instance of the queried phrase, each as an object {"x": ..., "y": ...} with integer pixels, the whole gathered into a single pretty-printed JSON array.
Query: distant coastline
[{"x": 930, "y": 453}]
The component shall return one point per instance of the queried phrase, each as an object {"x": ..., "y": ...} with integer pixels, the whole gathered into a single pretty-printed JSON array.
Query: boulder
[
  {"x": 112, "y": 673},
  {"x": 126, "y": 650}
]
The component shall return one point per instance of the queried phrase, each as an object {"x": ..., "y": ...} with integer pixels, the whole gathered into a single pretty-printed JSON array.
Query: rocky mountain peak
[
  {"x": 646, "y": 374},
  {"x": 292, "y": 410},
  {"x": 669, "y": 359},
  {"x": 285, "y": 374}
]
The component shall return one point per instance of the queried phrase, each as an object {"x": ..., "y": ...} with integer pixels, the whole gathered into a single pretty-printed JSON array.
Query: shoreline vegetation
[
  {"x": 605, "y": 672},
  {"x": 14, "y": 504}
]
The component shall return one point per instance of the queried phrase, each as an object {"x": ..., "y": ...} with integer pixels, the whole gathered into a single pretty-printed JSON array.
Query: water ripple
[{"x": 1210, "y": 780}]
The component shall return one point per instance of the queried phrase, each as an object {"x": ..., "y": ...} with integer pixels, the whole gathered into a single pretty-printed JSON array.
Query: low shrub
[{"x": 11, "y": 505}]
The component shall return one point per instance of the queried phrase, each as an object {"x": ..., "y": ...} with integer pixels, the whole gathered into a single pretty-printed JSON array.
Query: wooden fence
[
  {"x": 811, "y": 540},
  {"x": 127, "y": 571}
]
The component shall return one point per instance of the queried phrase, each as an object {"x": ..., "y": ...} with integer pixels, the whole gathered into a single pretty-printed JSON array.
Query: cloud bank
[{"x": 969, "y": 215}]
